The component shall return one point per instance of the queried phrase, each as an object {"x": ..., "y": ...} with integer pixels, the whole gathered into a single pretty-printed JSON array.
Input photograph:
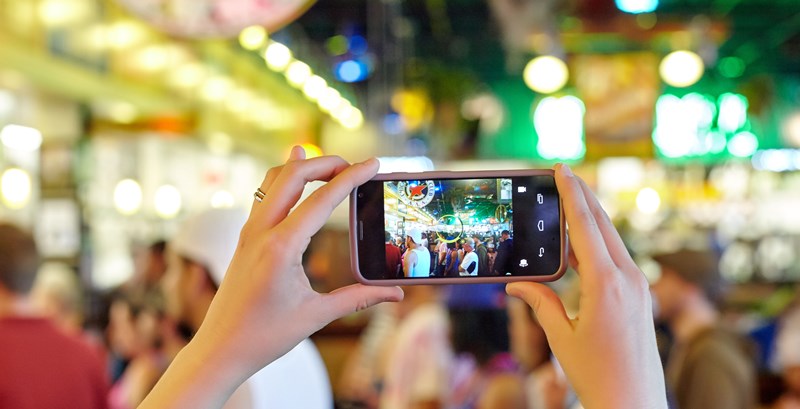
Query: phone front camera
[{"x": 360, "y": 195}]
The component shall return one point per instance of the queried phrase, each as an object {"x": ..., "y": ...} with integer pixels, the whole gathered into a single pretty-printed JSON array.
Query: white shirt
[
  {"x": 423, "y": 266},
  {"x": 296, "y": 380},
  {"x": 468, "y": 259}
]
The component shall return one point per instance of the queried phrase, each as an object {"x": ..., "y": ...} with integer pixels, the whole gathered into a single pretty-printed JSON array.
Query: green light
[
  {"x": 731, "y": 67},
  {"x": 743, "y": 144},
  {"x": 732, "y": 112},
  {"x": 337, "y": 45}
]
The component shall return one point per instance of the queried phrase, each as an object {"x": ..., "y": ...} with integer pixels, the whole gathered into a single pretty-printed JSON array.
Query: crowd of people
[
  {"x": 220, "y": 315},
  {"x": 424, "y": 254}
]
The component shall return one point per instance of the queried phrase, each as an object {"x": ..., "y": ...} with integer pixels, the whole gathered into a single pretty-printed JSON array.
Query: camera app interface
[{"x": 471, "y": 227}]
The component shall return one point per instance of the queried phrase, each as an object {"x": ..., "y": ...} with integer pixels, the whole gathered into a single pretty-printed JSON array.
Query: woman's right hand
[{"x": 608, "y": 351}]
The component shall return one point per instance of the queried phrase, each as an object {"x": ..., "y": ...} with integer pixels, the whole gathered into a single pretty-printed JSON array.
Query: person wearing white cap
[
  {"x": 199, "y": 255},
  {"x": 417, "y": 260},
  {"x": 265, "y": 305}
]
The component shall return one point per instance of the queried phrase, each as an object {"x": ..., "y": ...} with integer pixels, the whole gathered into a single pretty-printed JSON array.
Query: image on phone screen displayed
[{"x": 457, "y": 228}]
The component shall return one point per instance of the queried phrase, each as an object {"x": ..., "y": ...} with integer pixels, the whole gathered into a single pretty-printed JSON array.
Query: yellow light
[
  {"x": 253, "y": 37},
  {"x": 125, "y": 34},
  {"x": 351, "y": 119},
  {"x": 153, "y": 58},
  {"x": 188, "y": 75},
  {"x": 16, "y": 187},
  {"x": 277, "y": 56},
  {"x": 297, "y": 73},
  {"x": 681, "y": 68},
  {"x": 648, "y": 201},
  {"x": 122, "y": 112},
  {"x": 167, "y": 201},
  {"x": 128, "y": 197},
  {"x": 222, "y": 199},
  {"x": 61, "y": 13},
  {"x": 217, "y": 88},
  {"x": 329, "y": 99},
  {"x": 312, "y": 151},
  {"x": 21, "y": 138},
  {"x": 545, "y": 74},
  {"x": 314, "y": 87},
  {"x": 240, "y": 100}
]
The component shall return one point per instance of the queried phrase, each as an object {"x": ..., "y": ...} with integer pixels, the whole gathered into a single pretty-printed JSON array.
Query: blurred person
[
  {"x": 788, "y": 359},
  {"x": 708, "y": 366},
  {"x": 149, "y": 265},
  {"x": 418, "y": 356},
  {"x": 484, "y": 373},
  {"x": 42, "y": 365},
  {"x": 416, "y": 261},
  {"x": 541, "y": 380},
  {"x": 58, "y": 294},
  {"x": 452, "y": 260},
  {"x": 483, "y": 259},
  {"x": 393, "y": 258},
  {"x": 469, "y": 265},
  {"x": 198, "y": 256},
  {"x": 491, "y": 255},
  {"x": 147, "y": 339},
  {"x": 504, "y": 250},
  {"x": 441, "y": 253},
  {"x": 401, "y": 244},
  {"x": 365, "y": 366},
  {"x": 611, "y": 362}
]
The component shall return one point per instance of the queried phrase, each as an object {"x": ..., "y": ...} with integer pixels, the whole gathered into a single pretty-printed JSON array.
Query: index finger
[
  {"x": 585, "y": 236},
  {"x": 312, "y": 214}
]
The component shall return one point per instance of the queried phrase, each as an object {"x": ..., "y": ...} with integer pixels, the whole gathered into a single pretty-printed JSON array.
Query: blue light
[
  {"x": 350, "y": 71},
  {"x": 637, "y": 6},
  {"x": 358, "y": 45}
]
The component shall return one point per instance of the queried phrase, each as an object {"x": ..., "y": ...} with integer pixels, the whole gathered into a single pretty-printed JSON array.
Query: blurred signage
[{"x": 619, "y": 92}]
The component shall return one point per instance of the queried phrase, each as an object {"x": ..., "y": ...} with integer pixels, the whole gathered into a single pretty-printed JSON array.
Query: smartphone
[{"x": 457, "y": 227}]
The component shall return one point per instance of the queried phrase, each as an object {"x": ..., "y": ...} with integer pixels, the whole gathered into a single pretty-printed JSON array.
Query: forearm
[{"x": 199, "y": 377}]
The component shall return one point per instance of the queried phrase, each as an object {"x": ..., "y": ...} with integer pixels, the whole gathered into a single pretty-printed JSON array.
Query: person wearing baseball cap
[
  {"x": 198, "y": 257},
  {"x": 417, "y": 260},
  {"x": 708, "y": 365}
]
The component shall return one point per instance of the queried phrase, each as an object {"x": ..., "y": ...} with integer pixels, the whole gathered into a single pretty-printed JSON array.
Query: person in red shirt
[
  {"x": 393, "y": 258},
  {"x": 43, "y": 367}
]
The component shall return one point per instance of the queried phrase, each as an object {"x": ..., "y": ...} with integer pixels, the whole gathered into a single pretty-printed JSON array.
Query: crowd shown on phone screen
[{"x": 220, "y": 314}]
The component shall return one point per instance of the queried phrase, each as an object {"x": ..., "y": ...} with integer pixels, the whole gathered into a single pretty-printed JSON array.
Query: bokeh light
[
  {"x": 128, "y": 197},
  {"x": 277, "y": 56},
  {"x": 22, "y": 138},
  {"x": 253, "y": 37},
  {"x": 168, "y": 201},
  {"x": 546, "y": 74},
  {"x": 681, "y": 68},
  {"x": 648, "y": 201},
  {"x": 15, "y": 185}
]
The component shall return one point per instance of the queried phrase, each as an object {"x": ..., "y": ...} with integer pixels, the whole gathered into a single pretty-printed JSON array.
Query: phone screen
[{"x": 459, "y": 227}]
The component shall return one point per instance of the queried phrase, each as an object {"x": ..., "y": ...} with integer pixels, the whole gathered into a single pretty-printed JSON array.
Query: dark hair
[
  {"x": 19, "y": 259},
  {"x": 158, "y": 247},
  {"x": 505, "y": 232},
  {"x": 388, "y": 236},
  {"x": 480, "y": 333}
]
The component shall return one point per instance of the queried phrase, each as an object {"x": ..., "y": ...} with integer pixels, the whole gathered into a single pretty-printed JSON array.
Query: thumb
[
  {"x": 546, "y": 305},
  {"x": 356, "y": 297}
]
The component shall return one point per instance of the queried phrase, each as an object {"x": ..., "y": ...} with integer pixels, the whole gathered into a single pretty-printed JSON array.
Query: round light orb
[
  {"x": 681, "y": 68},
  {"x": 314, "y": 87},
  {"x": 15, "y": 185},
  {"x": 277, "y": 56},
  {"x": 168, "y": 201},
  {"x": 546, "y": 74},
  {"x": 743, "y": 144},
  {"x": 253, "y": 37},
  {"x": 648, "y": 201},
  {"x": 297, "y": 73},
  {"x": 22, "y": 138},
  {"x": 128, "y": 197}
]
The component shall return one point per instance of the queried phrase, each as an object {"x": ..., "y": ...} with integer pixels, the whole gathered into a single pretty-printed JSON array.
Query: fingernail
[
  {"x": 566, "y": 170},
  {"x": 369, "y": 161}
]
